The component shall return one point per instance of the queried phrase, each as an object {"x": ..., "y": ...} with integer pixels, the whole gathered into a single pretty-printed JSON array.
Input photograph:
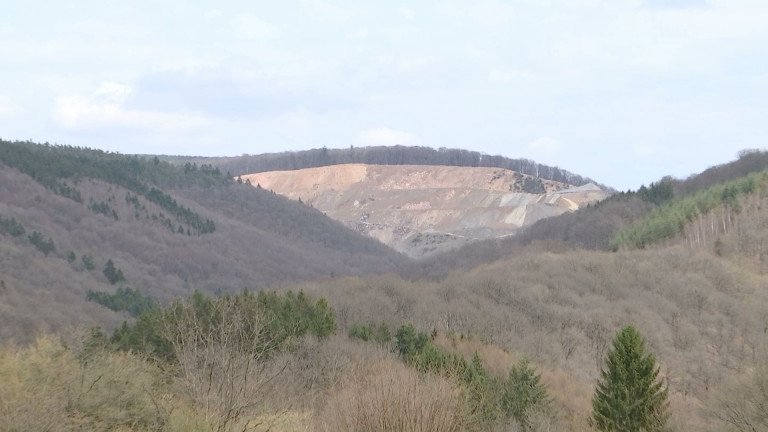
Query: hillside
[
  {"x": 446, "y": 339},
  {"x": 421, "y": 210},
  {"x": 170, "y": 230},
  {"x": 594, "y": 226},
  {"x": 703, "y": 316}
]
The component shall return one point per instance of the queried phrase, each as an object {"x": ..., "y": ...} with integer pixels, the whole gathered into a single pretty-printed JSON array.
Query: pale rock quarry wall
[{"x": 420, "y": 210}]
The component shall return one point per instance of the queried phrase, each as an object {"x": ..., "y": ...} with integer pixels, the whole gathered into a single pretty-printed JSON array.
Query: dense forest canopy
[
  {"x": 48, "y": 163},
  {"x": 382, "y": 155}
]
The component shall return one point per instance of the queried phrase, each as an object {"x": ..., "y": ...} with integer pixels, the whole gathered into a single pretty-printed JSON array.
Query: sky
[{"x": 622, "y": 91}]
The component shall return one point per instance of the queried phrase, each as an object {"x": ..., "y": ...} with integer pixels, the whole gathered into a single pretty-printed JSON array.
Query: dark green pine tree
[
  {"x": 523, "y": 392},
  {"x": 630, "y": 397},
  {"x": 113, "y": 274}
]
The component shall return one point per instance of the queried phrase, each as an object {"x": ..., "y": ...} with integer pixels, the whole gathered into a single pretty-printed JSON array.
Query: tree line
[
  {"x": 48, "y": 163},
  {"x": 385, "y": 155}
]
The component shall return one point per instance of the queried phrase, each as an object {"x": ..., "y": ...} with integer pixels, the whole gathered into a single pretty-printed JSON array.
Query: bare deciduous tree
[
  {"x": 223, "y": 357},
  {"x": 744, "y": 406}
]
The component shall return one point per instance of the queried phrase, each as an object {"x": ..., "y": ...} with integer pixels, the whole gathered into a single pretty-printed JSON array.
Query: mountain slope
[
  {"x": 167, "y": 238},
  {"x": 703, "y": 316},
  {"x": 591, "y": 227},
  {"x": 423, "y": 209}
]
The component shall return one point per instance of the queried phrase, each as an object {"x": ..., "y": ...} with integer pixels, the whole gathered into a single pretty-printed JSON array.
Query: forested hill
[
  {"x": 74, "y": 220},
  {"x": 380, "y": 155},
  {"x": 659, "y": 211}
]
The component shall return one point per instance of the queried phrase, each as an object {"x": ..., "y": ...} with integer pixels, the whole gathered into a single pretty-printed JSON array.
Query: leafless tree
[
  {"x": 744, "y": 405},
  {"x": 224, "y": 365}
]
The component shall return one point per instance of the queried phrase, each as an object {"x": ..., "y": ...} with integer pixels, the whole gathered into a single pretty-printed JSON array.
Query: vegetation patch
[
  {"x": 42, "y": 243},
  {"x": 124, "y": 299},
  {"x": 278, "y": 320},
  {"x": 669, "y": 219},
  {"x": 11, "y": 227}
]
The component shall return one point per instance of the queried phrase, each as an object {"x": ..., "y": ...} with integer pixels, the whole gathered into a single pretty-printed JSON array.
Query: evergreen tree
[
  {"x": 88, "y": 262},
  {"x": 43, "y": 244},
  {"x": 524, "y": 391},
  {"x": 113, "y": 274},
  {"x": 629, "y": 396},
  {"x": 11, "y": 226},
  {"x": 409, "y": 342}
]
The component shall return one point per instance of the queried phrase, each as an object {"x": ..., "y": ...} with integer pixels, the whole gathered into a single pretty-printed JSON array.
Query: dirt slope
[{"x": 420, "y": 210}]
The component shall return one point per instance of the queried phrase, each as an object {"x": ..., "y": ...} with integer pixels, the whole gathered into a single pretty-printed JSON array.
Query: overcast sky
[{"x": 623, "y": 91}]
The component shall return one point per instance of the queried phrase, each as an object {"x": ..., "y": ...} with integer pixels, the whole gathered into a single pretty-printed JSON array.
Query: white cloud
[
  {"x": 387, "y": 137},
  {"x": 360, "y": 33},
  {"x": 405, "y": 64},
  {"x": 212, "y": 13},
  {"x": 8, "y": 108},
  {"x": 484, "y": 12},
  {"x": 325, "y": 11},
  {"x": 111, "y": 93},
  {"x": 674, "y": 4},
  {"x": 407, "y": 13},
  {"x": 396, "y": 31},
  {"x": 414, "y": 63},
  {"x": 645, "y": 149},
  {"x": 545, "y": 145},
  {"x": 500, "y": 75},
  {"x": 385, "y": 59},
  {"x": 760, "y": 80},
  {"x": 104, "y": 109},
  {"x": 247, "y": 26}
]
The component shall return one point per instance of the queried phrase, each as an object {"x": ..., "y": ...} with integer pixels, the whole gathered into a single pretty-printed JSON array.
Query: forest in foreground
[{"x": 514, "y": 337}]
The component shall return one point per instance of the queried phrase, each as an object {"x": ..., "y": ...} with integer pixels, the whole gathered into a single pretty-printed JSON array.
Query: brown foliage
[
  {"x": 387, "y": 396},
  {"x": 742, "y": 404},
  {"x": 46, "y": 387},
  {"x": 704, "y": 316}
]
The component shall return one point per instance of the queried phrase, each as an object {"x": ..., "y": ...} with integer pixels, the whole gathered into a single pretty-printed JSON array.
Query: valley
[{"x": 149, "y": 295}]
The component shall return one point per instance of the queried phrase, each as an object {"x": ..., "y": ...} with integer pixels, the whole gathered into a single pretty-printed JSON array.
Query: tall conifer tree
[{"x": 630, "y": 397}]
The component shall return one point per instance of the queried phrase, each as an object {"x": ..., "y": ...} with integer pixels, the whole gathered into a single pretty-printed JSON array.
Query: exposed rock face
[{"x": 420, "y": 210}]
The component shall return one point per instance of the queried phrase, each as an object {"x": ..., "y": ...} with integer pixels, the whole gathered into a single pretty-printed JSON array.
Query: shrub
[
  {"x": 367, "y": 332},
  {"x": 47, "y": 387},
  {"x": 387, "y": 396}
]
